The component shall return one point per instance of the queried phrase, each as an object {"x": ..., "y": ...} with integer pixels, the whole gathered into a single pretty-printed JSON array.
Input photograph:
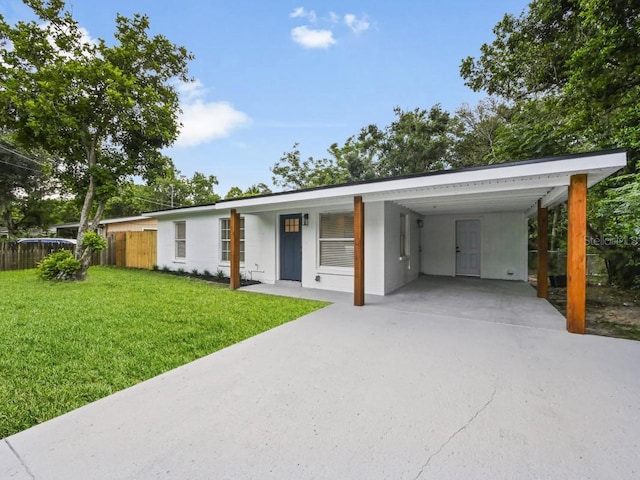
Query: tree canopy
[
  {"x": 579, "y": 59},
  {"x": 571, "y": 72},
  {"x": 417, "y": 141},
  {"x": 102, "y": 111}
]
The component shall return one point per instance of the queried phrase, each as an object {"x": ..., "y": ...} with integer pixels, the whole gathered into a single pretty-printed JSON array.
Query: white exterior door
[{"x": 468, "y": 247}]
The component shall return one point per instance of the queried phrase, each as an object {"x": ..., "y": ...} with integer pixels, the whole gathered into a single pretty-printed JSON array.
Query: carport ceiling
[{"x": 516, "y": 200}]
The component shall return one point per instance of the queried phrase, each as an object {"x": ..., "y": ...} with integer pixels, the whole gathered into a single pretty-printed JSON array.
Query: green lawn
[{"x": 63, "y": 345}]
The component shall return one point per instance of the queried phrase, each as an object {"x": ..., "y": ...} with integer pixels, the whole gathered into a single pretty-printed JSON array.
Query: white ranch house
[{"x": 373, "y": 237}]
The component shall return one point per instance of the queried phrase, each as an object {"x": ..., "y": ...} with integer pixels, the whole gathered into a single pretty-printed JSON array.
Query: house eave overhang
[
  {"x": 106, "y": 221},
  {"x": 515, "y": 186}
]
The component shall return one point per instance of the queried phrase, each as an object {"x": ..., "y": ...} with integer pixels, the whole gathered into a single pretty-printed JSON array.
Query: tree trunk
[
  {"x": 83, "y": 253},
  {"x": 612, "y": 268}
]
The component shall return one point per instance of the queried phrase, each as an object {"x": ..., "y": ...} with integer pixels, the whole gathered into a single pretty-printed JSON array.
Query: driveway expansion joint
[
  {"x": 24, "y": 465},
  {"x": 464, "y": 427}
]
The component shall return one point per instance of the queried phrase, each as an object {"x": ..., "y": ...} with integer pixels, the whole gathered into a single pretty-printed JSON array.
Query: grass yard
[{"x": 63, "y": 345}]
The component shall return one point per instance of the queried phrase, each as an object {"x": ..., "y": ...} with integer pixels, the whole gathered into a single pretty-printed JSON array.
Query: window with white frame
[
  {"x": 225, "y": 239},
  {"x": 336, "y": 239},
  {"x": 403, "y": 235},
  {"x": 180, "y": 229}
]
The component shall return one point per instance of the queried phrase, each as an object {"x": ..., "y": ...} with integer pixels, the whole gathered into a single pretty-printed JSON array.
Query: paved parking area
[
  {"x": 497, "y": 301},
  {"x": 390, "y": 390}
]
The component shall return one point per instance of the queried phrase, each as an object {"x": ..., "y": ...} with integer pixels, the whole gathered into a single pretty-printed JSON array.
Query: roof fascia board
[
  {"x": 473, "y": 189},
  {"x": 570, "y": 166},
  {"x": 183, "y": 211},
  {"x": 299, "y": 205},
  {"x": 604, "y": 163}
]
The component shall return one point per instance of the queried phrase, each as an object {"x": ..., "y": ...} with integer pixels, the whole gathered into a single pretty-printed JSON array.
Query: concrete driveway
[{"x": 389, "y": 390}]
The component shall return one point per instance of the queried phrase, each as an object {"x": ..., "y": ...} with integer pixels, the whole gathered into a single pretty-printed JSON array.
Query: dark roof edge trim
[{"x": 567, "y": 156}]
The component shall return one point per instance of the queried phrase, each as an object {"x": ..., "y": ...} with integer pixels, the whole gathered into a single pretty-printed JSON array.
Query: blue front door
[{"x": 291, "y": 247}]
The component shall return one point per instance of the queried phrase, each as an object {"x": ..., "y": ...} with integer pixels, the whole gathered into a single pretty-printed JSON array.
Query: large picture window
[
  {"x": 336, "y": 239},
  {"x": 180, "y": 239},
  {"x": 225, "y": 239}
]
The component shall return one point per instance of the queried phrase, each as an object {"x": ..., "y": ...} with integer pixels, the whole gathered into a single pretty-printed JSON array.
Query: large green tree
[
  {"x": 25, "y": 184},
  {"x": 169, "y": 190},
  {"x": 252, "y": 191},
  {"x": 416, "y": 141},
  {"x": 293, "y": 173},
  {"x": 572, "y": 72},
  {"x": 102, "y": 111},
  {"x": 580, "y": 58},
  {"x": 477, "y": 133}
]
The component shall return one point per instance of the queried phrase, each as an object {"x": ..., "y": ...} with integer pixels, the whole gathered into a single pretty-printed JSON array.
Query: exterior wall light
[{"x": 305, "y": 219}]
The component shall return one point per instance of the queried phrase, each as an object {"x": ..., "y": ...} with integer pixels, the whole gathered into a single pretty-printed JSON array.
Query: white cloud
[
  {"x": 300, "y": 12},
  {"x": 204, "y": 121},
  {"x": 190, "y": 91},
  {"x": 84, "y": 39},
  {"x": 357, "y": 25},
  {"x": 311, "y": 38}
]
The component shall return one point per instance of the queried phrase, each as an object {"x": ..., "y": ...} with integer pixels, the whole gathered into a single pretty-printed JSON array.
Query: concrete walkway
[{"x": 390, "y": 390}]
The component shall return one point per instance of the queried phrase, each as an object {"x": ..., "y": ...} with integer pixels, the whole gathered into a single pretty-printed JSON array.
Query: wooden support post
[
  {"x": 234, "y": 225},
  {"x": 543, "y": 252},
  {"x": 358, "y": 251},
  {"x": 577, "y": 255}
]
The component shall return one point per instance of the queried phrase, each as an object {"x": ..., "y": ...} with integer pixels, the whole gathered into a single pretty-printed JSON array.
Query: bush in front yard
[{"x": 58, "y": 266}]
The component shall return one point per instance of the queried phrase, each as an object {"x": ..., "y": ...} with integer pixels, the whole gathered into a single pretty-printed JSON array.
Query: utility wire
[
  {"x": 19, "y": 166},
  {"x": 148, "y": 200},
  {"x": 21, "y": 155},
  {"x": 151, "y": 199}
]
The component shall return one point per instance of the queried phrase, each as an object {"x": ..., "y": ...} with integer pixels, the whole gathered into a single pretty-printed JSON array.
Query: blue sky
[{"x": 269, "y": 74}]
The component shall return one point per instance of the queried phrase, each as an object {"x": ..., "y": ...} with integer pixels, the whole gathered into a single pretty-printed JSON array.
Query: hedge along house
[{"x": 375, "y": 236}]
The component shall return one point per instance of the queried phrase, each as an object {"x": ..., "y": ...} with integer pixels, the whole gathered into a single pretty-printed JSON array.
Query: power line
[
  {"x": 21, "y": 155},
  {"x": 19, "y": 166},
  {"x": 162, "y": 204}
]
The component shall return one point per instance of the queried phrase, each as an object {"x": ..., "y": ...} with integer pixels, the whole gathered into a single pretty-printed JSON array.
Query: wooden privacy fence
[
  {"x": 124, "y": 249},
  {"x": 20, "y": 256},
  {"x": 131, "y": 249}
]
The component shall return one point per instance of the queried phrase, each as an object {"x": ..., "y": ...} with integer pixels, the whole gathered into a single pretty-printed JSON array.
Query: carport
[
  {"x": 468, "y": 222},
  {"x": 448, "y": 299}
]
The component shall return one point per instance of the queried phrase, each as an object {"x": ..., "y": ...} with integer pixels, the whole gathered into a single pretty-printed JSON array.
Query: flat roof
[{"x": 521, "y": 183}]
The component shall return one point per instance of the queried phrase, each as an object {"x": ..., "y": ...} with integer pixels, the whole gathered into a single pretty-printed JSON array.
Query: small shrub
[
  {"x": 155, "y": 267},
  {"x": 166, "y": 269},
  {"x": 60, "y": 265},
  {"x": 207, "y": 274},
  {"x": 220, "y": 274},
  {"x": 180, "y": 271},
  {"x": 195, "y": 272}
]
